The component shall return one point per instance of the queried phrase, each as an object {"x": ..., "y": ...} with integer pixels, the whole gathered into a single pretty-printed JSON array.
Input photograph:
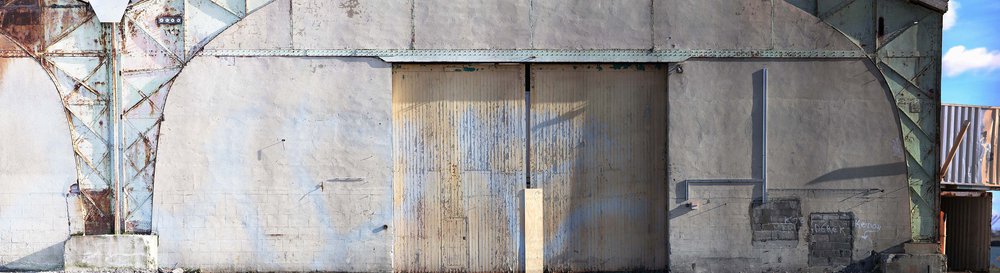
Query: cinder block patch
[
  {"x": 831, "y": 239},
  {"x": 776, "y": 221}
]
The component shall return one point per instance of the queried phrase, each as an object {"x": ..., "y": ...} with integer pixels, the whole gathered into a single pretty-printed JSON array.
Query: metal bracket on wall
[
  {"x": 763, "y": 160},
  {"x": 763, "y": 138},
  {"x": 686, "y": 191}
]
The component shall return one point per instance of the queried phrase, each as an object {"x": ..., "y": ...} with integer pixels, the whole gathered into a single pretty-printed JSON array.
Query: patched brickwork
[
  {"x": 776, "y": 220},
  {"x": 831, "y": 239}
]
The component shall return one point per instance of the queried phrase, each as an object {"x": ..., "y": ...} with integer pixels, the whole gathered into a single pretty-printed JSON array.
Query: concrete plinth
[
  {"x": 103, "y": 252},
  {"x": 905, "y": 263}
]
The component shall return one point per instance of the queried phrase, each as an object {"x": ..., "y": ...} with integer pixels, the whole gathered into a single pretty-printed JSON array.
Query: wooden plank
[
  {"x": 534, "y": 231},
  {"x": 954, "y": 148}
]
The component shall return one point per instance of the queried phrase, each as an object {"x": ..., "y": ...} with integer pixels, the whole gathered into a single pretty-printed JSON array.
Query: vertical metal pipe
[
  {"x": 527, "y": 125},
  {"x": 111, "y": 30},
  {"x": 763, "y": 163}
]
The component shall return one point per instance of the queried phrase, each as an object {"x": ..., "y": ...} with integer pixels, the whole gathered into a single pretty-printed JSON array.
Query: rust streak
[
  {"x": 353, "y": 7},
  {"x": 3, "y": 67}
]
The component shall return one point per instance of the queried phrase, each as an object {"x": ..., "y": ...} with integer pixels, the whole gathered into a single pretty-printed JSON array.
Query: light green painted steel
[
  {"x": 903, "y": 39},
  {"x": 540, "y": 56}
]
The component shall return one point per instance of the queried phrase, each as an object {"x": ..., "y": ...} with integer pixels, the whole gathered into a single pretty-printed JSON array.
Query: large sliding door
[
  {"x": 597, "y": 148},
  {"x": 459, "y": 151},
  {"x": 598, "y": 151}
]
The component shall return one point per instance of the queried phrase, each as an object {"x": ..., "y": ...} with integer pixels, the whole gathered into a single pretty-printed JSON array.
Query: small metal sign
[{"x": 170, "y": 20}]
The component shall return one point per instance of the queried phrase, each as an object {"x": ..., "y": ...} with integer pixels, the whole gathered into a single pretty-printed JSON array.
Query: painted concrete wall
[
  {"x": 833, "y": 147},
  {"x": 36, "y": 168},
  {"x": 265, "y": 171},
  {"x": 527, "y": 24}
]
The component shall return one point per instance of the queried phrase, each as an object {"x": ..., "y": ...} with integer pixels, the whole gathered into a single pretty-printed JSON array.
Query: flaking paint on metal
[
  {"x": 458, "y": 167},
  {"x": 146, "y": 48},
  {"x": 22, "y": 22}
]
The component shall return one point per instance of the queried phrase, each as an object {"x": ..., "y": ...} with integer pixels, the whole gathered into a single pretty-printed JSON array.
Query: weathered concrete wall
[
  {"x": 526, "y": 24},
  {"x": 266, "y": 171},
  {"x": 36, "y": 168},
  {"x": 833, "y": 149}
]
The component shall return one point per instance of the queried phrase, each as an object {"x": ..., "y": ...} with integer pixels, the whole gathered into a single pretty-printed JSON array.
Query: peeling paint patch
[
  {"x": 353, "y": 7},
  {"x": 22, "y": 21},
  {"x": 99, "y": 217}
]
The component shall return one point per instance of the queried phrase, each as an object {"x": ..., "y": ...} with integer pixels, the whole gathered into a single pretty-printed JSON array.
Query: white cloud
[
  {"x": 951, "y": 16},
  {"x": 959, "y": 60}
]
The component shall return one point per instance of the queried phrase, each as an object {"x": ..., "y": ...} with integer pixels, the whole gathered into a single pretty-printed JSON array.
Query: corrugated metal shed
[{"x": 974, "y": 163}]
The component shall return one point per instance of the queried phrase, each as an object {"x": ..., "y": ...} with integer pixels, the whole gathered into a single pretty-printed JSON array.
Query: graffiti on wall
[{"x": 831, "y": 238}]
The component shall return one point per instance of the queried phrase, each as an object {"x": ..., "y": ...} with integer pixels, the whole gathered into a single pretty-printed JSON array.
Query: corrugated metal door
[
  {"x": 459, "y": 143},
  {"x": 967, "y": 227},
  {"x": 598, "y": 150}
]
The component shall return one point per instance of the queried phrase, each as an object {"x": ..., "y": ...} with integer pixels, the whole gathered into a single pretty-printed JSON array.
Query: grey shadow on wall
[
  {"x": 47, "y": 259},
  {"x": 684, "y": 192},
  {"x": 757, "y": 126},
  {"x": 756, "y": 156},
  {"x": 890, "y": 169}
]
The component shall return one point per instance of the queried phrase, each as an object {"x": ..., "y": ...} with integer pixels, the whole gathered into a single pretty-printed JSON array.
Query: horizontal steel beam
[
  {"x": 539, "y": 56},
  {"x": 963, "y": 193}
]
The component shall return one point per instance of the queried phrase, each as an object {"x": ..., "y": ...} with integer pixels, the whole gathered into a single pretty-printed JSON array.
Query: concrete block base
[
  {"x": 104, "y": 252},
  {"x": 905, "y": 263},
  {"x": 922, "y": 248}
]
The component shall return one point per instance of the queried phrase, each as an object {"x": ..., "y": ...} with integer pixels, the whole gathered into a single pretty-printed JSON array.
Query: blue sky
[
  {"x": 971, "y": 46},
  {"x": 971, "y": 63}
]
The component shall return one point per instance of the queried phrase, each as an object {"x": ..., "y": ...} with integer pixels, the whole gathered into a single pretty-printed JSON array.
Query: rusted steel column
[
  {"x": 113, "y": 78},
  {"x": 111, "y": 57}
]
